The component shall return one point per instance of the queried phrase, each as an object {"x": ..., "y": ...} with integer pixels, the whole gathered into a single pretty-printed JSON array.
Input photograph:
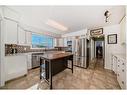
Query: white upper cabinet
[
  {"x": 65, "y": 42},
  {"x": 28, "y": 38},
  {"x": 123, "y": 31},
  {"x": 21, "y": 36},
  {"x": 61, "y": 42},
  {"x": 0, "y": 13},
  {"x": 10, "y": 32}
]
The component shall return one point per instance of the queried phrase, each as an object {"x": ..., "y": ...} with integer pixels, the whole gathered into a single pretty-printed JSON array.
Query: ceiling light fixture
[
  {"x": 107, "y": 14},
  {"x": 56, "y": 25}
]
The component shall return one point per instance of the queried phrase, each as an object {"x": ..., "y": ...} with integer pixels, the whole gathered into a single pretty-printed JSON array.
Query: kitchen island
[{"x": 53, "y": 63}]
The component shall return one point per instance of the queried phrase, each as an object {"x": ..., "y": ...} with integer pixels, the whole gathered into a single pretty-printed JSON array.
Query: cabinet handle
[
  {"x": 123, "y": 70},
  {"x": 122, "y": 82},
  {"x": 123, "y": 64}
]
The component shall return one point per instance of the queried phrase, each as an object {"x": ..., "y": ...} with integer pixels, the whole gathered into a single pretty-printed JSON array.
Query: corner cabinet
[{"x": 10, "y": 31}]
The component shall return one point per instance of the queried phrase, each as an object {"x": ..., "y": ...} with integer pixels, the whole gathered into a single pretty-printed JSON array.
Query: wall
[
  {"x": 71, "y": 36},
  {"x": 77, "y": 33},
  {"x": 112, "y": 48}
]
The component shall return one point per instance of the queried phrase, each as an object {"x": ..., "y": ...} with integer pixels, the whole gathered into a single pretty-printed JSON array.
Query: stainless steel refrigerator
[{"x": 80, "y": 48}]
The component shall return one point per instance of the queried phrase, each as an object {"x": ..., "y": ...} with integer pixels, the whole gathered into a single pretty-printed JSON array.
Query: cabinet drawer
[
  {"x": 123, "y": 65},
  {"x": 123, "y": 84}
]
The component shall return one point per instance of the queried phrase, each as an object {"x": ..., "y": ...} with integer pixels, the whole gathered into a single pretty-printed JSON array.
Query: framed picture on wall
[
  {"x": 112, "y": 39},
  {"x": 96, "y": 32}
]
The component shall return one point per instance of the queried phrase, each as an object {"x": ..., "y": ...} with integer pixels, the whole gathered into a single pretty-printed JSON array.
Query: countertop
[
  {"x": 16, "y": 54},
  {"x": 26, "y": 53},
  {"x": 119, "y": 55},
  {"x": 55, "y": 55}
]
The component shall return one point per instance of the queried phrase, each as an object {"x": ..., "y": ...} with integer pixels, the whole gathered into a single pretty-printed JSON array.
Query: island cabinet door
[{"x": 58, "y": 66}]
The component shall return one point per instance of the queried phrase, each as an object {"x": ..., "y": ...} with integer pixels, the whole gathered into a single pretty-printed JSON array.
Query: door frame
[{"x": 2, "y": 54}]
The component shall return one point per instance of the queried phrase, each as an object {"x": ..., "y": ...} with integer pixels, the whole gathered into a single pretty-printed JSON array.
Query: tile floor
[{"x": 95, "y": 77}]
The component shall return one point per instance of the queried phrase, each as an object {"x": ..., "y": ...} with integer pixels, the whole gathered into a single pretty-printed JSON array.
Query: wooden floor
[{"x": 95, "y": 77}]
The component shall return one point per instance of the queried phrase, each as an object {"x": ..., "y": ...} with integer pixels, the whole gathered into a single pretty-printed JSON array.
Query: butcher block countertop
[{"x": 55, "y": 55}]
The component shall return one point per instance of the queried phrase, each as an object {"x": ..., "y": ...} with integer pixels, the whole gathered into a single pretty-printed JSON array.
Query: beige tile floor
[{"x": 92, "y": 78}]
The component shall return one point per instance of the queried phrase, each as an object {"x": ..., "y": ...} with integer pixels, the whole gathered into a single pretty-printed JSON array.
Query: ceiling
[{"x": 73, "y": 17}]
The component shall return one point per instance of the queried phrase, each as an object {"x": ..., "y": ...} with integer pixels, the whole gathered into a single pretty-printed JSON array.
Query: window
[{"x": 41, "y": 41}]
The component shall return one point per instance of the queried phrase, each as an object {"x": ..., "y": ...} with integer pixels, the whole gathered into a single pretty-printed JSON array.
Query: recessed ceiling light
[{"x": 56, "y": 25}]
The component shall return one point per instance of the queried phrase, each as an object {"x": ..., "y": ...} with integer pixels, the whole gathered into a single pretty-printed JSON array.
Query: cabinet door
[
  {"x": 10, "y": 32},
  {"x": 29, "y": 64},
  {"x": 21, "y": 36},
  {"x": 114, "y": 64},
  {"x": 15, "y": 66},
  {"x": 28, "y": 38},
  {"x": 123, "y": 74},
  {"x": 65, "y": 42},
  {"x": 118, "y": 65}
]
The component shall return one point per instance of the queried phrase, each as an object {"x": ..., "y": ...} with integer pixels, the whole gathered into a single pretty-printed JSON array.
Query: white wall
[
  {"x": 112, "y": 48},
  {"x": 76, "y": 33}
]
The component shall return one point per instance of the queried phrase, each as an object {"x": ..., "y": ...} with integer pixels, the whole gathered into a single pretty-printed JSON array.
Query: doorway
[{"x": 99, "y": 49}]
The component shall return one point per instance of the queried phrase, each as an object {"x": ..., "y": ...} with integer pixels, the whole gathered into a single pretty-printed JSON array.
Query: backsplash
[{"x": 22, "y": 49}]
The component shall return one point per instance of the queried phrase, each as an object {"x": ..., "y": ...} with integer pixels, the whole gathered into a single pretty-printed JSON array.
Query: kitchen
[{"x": 26, "y": 40}]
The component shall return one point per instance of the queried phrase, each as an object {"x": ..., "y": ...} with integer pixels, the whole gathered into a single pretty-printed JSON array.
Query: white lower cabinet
[
  {"x": 114, "y": 63},
  {"x": 15, "y": 66},
  {"x": 119, "y": 67},
  {"x": 121, "y": 73},
  {"x": 29, "y": 62}
]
